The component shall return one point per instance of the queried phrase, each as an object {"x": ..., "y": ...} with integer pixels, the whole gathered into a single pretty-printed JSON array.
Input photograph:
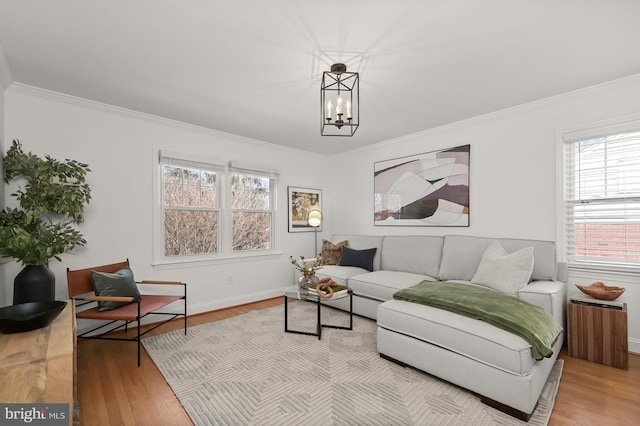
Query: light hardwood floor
[{"x": 112, "y": 390}]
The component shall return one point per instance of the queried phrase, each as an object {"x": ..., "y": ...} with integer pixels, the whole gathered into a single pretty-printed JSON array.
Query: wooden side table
[{"x": 597, "y": 332}]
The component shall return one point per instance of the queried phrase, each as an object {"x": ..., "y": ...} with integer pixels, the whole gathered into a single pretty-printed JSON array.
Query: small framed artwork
[
  {"x": 428, "y": 189},
  {"x": 301, "y": 202}
]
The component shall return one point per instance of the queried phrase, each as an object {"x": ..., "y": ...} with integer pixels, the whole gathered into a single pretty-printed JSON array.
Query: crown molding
[
  {"x": 8, "y": 83},
  {"x": 545, "y": 102},
  {"x": 5, "y": 73},
  {"x": 143, "y": 116}
]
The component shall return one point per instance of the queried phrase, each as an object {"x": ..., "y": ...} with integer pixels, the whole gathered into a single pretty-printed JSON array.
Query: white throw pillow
[{"x": 506, "y": 272}]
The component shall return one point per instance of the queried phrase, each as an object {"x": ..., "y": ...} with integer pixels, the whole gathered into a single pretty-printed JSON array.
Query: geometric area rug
[{"x": 246, "y": 370}]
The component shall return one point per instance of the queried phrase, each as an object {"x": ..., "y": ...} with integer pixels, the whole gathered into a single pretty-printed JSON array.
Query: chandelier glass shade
[{"x": 340, "y": 102}]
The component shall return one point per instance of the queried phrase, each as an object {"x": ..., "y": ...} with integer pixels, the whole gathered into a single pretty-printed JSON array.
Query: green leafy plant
[{"x": 51, "y": 201}]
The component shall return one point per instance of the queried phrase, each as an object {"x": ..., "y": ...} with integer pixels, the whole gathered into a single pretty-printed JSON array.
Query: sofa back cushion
[
  {"x": 461, "y": 256},
  {"x": 415, "y": 254},
  {"x": 361, "y": 242}
]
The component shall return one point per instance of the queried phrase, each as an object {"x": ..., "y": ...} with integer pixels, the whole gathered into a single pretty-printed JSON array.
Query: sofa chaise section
[{"x": 470, "y": 353}]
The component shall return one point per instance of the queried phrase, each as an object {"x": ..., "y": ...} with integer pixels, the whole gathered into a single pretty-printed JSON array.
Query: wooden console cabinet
[
  {"x": 39, "y": 366},
  {"x": 598, "y": 334}
]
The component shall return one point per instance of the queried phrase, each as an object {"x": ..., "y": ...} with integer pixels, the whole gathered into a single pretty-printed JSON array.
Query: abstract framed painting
[
  {"x": 301, "y": 202},
  {"x": 428, "y": 189}
]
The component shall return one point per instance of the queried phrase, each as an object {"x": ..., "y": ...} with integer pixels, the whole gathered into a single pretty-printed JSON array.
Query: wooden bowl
[{"x": 601, "y": 291}]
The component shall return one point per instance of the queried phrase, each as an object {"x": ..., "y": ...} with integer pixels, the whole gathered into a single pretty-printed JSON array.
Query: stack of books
[{"x": 338, "y": 290}]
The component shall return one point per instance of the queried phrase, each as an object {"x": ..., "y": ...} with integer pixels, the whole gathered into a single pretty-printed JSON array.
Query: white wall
[
  {"x": 118, "y": 145},
  {"x": 2, "y": 89},
  {"x": 513, "y": 183},
  {"x": 5, "y": 81},
  {"x": 512, "y": 173}
]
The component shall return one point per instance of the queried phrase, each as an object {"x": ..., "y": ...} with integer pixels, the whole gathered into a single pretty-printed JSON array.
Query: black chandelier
[{"x": 339, "y": 102}]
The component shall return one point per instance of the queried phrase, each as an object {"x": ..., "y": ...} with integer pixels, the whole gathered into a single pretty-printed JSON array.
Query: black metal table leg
[
  {"x": 350, "y": 317},
  {"x": 286, "y": 321},
  {"x": 319, "y": 325},
  {"x": 285, "y": 313}
]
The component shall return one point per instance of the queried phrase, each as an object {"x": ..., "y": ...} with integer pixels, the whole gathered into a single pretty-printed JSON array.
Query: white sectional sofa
[{"x": 470, "y": 353}]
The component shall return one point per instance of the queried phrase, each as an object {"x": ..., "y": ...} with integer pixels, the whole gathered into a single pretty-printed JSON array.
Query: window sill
[{"x": 200, "y": 262}]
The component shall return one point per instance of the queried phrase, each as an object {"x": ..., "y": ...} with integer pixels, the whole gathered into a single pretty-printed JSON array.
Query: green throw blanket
[{"x": 528, "y": 321}]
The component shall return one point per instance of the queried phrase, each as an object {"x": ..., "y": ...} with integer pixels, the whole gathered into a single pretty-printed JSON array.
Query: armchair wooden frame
[{"x": 81, "y": 292}]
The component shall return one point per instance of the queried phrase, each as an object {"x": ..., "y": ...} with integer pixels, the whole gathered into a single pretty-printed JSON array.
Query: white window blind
[{"x": 602, "y": 198}]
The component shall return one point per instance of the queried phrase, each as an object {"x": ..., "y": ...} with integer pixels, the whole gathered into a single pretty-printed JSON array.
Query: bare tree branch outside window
[
  {"x": 190, "y": 211},
  {"x": 192, "y": 215},
  {"x": 251, "y": 212}
]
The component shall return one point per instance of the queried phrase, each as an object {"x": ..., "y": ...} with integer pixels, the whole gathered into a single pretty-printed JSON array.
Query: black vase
[{"x": 35, "y": 283}]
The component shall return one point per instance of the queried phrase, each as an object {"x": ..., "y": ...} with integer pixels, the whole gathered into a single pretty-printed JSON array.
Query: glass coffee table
[{"x": 294, "y": 293}]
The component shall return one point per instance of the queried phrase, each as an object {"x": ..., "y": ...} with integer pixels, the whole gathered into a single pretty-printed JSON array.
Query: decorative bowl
[
  {"x": 601, "y": 291},
  {"x": 29, "y": 316}
]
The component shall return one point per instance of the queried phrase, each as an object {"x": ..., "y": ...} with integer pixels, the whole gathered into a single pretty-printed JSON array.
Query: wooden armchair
[{"x": 82, "y": 293}]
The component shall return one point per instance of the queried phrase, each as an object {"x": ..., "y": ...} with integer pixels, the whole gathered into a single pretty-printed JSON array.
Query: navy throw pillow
[{"x": 360, "y": 258}]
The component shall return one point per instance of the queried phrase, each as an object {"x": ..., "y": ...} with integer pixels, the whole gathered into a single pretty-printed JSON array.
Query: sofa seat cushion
[
  {"x": 381, "y": 285},
  {"x": 471, "y": 338},
  {"x": 340, "y": 274}
]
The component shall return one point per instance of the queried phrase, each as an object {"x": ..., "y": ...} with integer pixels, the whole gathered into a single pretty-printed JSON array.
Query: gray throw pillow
[
  {"x": 120, "y": 283},
  {"x": 360, "y": 258}
]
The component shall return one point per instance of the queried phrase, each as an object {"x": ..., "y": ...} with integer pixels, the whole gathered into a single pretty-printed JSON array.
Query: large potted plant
[{"x": 51, "y": 196}]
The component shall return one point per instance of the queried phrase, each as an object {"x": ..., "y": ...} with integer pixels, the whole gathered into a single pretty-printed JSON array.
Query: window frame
[
  {"x": 605, "y": 128},
  {"x": 273, "y": 181},
  {"x": 225, "y": 252}
]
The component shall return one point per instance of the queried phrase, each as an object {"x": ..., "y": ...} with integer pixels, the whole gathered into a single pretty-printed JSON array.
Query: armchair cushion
[{"x": 120, "y": 283}]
